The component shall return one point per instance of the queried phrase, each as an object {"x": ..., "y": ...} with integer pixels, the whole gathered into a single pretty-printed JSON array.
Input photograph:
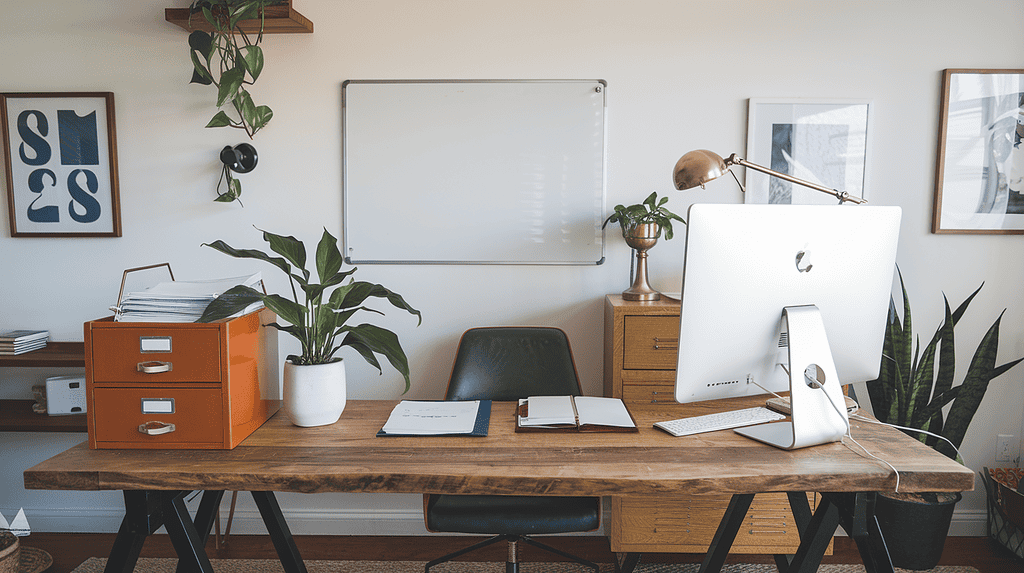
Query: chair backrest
[{"x": 508, "y": 363}]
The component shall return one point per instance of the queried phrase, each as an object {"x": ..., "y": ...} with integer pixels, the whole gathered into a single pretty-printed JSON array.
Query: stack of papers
[
  {"x": 432, "y": 418},
  {"x": 21, "y": 341},
  {"x": 180, "y": 301}
]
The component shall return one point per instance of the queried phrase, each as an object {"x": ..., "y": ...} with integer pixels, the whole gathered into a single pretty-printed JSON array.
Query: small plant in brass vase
[{"x": 642, "y": 224}]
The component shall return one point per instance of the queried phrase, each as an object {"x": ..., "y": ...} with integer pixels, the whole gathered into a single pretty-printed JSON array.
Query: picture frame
[
  {"x": 60, "y": 153},
  {"x": 820, "y": 141},
  {"x": 979, "y": 174}
]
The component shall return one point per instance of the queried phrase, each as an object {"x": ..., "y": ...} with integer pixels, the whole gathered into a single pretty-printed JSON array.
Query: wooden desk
[{"x": 346, "y": 457}]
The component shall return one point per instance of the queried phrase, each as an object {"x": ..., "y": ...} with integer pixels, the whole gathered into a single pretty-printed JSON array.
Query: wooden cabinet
[
  {"x": 641, "y": 341},
  {"x": 641, "y": 344},
  {"x": 17, "y": 415}
]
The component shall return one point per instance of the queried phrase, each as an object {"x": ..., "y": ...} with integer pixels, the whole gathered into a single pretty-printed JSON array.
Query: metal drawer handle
[
  {"x": 156, "y": 428},
  {"x": 154, "y": 367},
  {"x": 666, "y": 343}
]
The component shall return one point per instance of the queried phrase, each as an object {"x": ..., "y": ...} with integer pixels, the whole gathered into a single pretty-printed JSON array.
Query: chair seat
[{"x": 516, "y": 515}]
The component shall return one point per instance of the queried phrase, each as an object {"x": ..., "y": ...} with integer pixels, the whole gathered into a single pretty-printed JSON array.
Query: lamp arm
[{"x": 843, "y": 196}]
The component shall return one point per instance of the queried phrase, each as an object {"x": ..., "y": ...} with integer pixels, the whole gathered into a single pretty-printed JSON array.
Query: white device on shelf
[
  {"x": 65, "y": 395},
  {"x": 765, "y": 288}
]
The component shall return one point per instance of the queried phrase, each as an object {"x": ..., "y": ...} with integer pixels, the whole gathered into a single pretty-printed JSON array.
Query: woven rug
[{"x": 152, "y": 565}]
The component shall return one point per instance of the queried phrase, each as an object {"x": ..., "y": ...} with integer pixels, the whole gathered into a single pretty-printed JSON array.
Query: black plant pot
[{"x": 915, "y": 531}]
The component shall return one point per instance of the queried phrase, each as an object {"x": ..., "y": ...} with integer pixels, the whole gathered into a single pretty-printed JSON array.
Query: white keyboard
[{"x": 719, "y": 421}]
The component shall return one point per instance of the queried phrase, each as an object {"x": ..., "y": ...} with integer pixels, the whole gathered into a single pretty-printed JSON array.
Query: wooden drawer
[
  {"x": 650, "y": 342},
  {"x": 198, "y": 416},
  {"x": 194, "y": 354},
  {"x": 653, "y": 393},
  {"x": 688, "y": 524}
]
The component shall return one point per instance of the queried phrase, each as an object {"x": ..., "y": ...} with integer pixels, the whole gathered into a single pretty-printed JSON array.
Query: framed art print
[
  {"x": 821, "y": 141},
  {"x": 61, "y": 164},
  {"x": 979, "y": 175}
]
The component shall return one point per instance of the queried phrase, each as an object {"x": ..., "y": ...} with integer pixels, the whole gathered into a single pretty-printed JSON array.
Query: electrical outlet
[{"x": 1004, "y": 448}]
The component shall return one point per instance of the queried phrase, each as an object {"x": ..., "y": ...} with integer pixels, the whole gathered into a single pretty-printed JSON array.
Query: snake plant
[{"x": 913, "y": 387}]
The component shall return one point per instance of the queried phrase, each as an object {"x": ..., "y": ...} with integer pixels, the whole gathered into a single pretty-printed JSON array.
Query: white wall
[{"x": 679, "y": 75}]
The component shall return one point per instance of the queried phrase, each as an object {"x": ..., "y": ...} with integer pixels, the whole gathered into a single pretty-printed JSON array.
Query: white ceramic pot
[{"x": 314, "y": 395}]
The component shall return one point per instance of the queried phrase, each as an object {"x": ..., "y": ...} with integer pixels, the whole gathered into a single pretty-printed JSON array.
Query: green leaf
[
  {"x": 220, "y": 120},
  {"x": 252, "y": 57},
  {"x": 328, "y": 257},
  {"x": 383, "y": 342},
  {"x": 290, "y": 248},
  {"x": 230, "y": 83},
  {"x": 261, "y": 117},
  {"x": 243, "y": 101},
  {"x": 287, "y": 309},
  {"x": 229, "y": 302},
  {"x": 249, "y": 254}
]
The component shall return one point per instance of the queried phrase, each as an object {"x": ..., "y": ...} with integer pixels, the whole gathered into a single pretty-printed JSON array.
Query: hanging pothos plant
[{"x": 230, "y": 59}]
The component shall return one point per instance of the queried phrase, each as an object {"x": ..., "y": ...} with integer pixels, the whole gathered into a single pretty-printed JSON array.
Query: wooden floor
[{"x": 70, "y": 549}]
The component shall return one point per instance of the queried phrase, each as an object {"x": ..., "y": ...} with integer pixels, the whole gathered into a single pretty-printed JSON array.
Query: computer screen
[{"x": 745, "y": 263}]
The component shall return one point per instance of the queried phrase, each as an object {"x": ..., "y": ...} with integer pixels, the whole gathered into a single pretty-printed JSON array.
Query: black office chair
[{"x": 508, "y": 363}]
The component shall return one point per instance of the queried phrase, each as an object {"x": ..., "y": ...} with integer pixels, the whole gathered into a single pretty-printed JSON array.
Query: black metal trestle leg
[
  {"x": 287, "y": 551},
  {"x": 726, "y": 532}
]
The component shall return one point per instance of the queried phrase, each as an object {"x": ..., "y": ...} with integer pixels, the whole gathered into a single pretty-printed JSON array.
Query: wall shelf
[
  {"x": 17, "y": 415},
  {"x": 279, "y": 19}
]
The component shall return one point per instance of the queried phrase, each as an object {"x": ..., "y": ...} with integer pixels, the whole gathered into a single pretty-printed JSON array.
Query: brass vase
[{"x": 641, "y": 238}]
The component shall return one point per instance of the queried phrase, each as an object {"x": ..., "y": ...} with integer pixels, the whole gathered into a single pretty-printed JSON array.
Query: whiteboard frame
[{"x": 347, "y": 243}]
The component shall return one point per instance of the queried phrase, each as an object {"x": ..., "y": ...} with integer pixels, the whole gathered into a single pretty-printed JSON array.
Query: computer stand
[{"x": 812, "y": 374}]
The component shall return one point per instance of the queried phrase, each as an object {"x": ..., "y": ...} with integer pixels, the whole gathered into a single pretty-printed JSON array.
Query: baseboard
[{"x": 966, "y": 523}]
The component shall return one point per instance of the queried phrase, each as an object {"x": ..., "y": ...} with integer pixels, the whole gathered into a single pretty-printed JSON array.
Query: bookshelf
[{"x": 17, "y": 415}]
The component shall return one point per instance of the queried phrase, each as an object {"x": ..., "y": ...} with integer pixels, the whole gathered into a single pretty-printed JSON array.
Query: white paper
[
  {"x": 432, "y": 418},
  {"x": 180, "y": 301},
  {"x": 549, "y": 411},
  {"x": 603, "y": 411}
]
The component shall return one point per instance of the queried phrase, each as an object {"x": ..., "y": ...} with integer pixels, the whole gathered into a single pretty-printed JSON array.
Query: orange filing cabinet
[{"x": 180, "y": 385}]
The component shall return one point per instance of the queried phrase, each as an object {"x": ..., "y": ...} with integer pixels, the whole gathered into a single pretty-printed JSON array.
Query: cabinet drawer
[
  {"x": 688, "y": 524},
  {"x": 197, "y": 415},
  {"x": 193, "y": 354},
  {"x": 650, "y": 342},
  {"x": 652, "y": 393}
]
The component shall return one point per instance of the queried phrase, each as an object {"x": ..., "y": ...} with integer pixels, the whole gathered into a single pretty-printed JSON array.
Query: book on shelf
[
  {"x": 20, "y": 341},
  {"x": 574, "y": 414}
]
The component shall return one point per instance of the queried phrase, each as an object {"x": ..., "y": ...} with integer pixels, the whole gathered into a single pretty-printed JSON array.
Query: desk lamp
[{"x": 700, "y": 166}]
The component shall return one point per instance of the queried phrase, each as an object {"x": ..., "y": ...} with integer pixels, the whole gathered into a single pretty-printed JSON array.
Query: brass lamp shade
[
  {"x": 700, "y": 166},
  {"x": 697, "y": 168}
]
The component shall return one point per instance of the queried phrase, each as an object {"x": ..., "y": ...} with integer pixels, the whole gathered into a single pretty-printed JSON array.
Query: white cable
[
  {"x": 943, "y": 438},
  {"x": 849, "y": 434},
  {"x": 767, "y": 390}
]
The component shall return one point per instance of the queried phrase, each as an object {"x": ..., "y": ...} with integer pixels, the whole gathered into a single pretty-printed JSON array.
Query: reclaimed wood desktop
[{"x": 347, "y": 457}]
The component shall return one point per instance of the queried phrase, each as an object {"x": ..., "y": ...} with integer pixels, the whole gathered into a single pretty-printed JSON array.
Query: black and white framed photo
[
  {"x": 979, "y": 179},
  {"x": 821, "y": 141},
  {"x": 60, "y": 156}
]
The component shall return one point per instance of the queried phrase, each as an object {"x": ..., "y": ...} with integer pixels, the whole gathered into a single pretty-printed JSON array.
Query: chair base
[{"x": 512, "y": 564}]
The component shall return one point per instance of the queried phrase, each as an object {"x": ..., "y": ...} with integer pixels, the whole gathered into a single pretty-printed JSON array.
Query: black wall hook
[{"x": 241, "y": 158}]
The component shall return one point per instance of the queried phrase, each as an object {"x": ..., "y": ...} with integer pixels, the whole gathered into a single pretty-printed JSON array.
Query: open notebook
[{"x": 574, "y": 414}]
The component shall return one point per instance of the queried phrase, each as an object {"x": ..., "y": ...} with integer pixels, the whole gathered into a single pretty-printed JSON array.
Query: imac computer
[{"x": 785, "y": 298}]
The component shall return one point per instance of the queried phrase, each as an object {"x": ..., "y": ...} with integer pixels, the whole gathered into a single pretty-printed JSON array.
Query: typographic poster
[{"x": 61, "y": 164}]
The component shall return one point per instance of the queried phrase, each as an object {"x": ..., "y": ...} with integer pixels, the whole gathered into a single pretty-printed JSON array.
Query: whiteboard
[{"x": 473, "y": 171}]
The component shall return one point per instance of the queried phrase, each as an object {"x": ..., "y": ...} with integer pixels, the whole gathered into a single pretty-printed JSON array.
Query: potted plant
[
  {"x": 911, "y": 390},
  {"x": 642, "y": 225},
  {"x": 314, "y": 380},
  {"x": 230, "y": 60}
]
